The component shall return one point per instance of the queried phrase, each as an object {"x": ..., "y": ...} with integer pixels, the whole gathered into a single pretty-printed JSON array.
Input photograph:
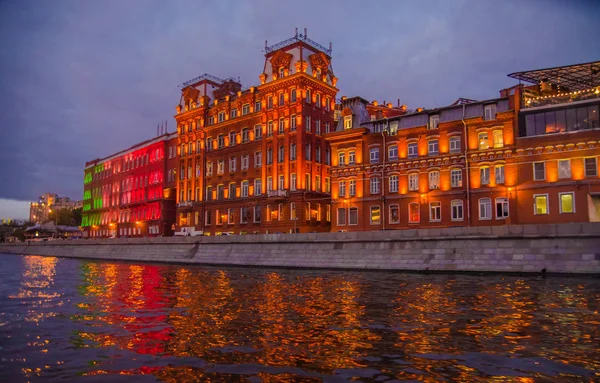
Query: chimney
[{"x": 398, "y": 102}]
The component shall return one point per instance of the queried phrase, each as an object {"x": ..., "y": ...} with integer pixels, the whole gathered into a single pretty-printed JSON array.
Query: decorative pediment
[
  {"x": 346, "y": 111},
  {"x": 281, "y": 59},
  {"x": 319, "y": 60},
  {"x": 190, "y": 93}
]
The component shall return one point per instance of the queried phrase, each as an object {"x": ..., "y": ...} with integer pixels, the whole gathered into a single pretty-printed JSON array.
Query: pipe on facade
[
  {"x": 467, "y": 171},
  {"x": 383, "y": 180}
]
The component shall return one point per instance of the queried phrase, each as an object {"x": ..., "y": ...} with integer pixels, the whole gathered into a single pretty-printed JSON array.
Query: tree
[
  {"x": 77, "y": 216},
  {"x": 62, "y": 217}
]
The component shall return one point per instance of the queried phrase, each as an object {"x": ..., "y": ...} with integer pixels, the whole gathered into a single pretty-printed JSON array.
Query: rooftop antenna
[
  {"x": 157, "y": 126},
  {"x": 265, "y": 45},
  {"x": 305, "y": 34},
  {"x": 296, "y": 32},
  {"x": 330, "y": 46}
]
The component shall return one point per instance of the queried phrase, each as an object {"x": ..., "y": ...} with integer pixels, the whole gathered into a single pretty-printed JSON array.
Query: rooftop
[
  {"x": 298, "y": 38},
  {"x": 572, "y": 77}
]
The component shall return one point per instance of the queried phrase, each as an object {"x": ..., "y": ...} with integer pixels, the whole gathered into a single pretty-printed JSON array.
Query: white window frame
[
  {"x": 418, "y": 211},
  {"x": 390, "y": 215},
  {"x": 375, "y": 185},
  {"x": 535, "y": 177},
  {"x": 433, "y": 147},
  {"x": 560, "y": 209},
  {"x": 413, "y": 181},
  {"x": 352, "y": 188},
  {"x": 437, "y": 209},
  {"x": 434, "y": 122},
  {"x": 484, "y": 175},
  {"x": 245, "y": 188},
  {"x": 393, "y": 152},
  {"x": 342, "y": 188},
  {"x": 488, "y": 203},
  {"x": 257, "y": 186},
  {"x": 535, "y": 196},
  {"x": 456, "y": 178},
  {"x": 413, "y": 147},
  {"x": 505, "y": 203},
  {"x": 585, "y": 167},
  {"x": 483, "y": 141},
  {"x": 498, "y": 138},
  {"x": 293, "y": 182},
  {"x": 562, "y": 174},
  {"x": 455, "y": 146},
  {"x": 499, "y": 174},
  {"x": 456, "y": 203},
  {"x": 489, "y": 112},
  {"x": 374, "y": 155},
  {"x": 393, "y": 183},
  {"x": 434, "y": 179}
]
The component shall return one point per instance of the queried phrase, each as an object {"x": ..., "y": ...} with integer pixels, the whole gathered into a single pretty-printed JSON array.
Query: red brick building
[
  {"x": 529, "y": 156},
  {"x": 132, "y": 193},
  {"x": 254, "y": 160}
]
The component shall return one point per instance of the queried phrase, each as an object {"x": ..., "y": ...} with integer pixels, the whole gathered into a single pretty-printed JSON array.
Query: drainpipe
[
  {"x": 383, "y": 181},
  {"x": 467, "y": 169}
]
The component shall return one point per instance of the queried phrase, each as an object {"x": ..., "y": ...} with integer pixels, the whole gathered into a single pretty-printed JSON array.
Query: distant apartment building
[
  {"x": 40, "y": 210},
  {"x": 529, "y": 156},
  {"x": 255, "y": 160},
  {"x": 132, "y": 193}
]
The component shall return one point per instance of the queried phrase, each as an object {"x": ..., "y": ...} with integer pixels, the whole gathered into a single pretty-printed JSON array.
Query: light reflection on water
[{"x": 61, "y": 319}]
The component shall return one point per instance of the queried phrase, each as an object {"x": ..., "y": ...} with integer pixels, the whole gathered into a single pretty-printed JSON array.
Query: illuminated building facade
[
  {"x": 39, "y": 210},
  {"x": 254, "y": 160},
  {"x": 527, "y": 157},
  {"x": 130, "y": 193}
]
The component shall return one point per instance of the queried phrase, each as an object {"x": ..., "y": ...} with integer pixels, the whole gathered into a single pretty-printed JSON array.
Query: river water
[{"x": 77, "y": 320}]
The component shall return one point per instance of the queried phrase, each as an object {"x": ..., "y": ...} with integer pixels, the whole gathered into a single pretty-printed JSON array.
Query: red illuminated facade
[
  {"x": 132, "y": 193},
  {"x": 255, "y": 160}
]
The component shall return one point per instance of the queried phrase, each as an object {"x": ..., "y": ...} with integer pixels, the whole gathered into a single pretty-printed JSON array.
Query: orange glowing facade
[
  {"x": 255, "y": 160},
  {"x": 527, "y": 157},
  {"x": 132, "y": 193}
]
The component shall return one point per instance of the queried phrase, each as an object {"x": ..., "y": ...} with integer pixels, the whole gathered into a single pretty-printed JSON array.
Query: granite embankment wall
[{"x": 557, "y": 248}]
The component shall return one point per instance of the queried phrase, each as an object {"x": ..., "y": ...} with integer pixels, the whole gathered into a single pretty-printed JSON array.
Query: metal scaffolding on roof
[{"x": 573, "y": 77}]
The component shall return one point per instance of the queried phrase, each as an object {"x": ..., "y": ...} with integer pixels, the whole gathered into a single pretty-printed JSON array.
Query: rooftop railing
[{"x": 561, "y": 98}]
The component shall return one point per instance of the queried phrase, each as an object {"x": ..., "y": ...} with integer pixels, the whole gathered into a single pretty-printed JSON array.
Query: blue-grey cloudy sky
[{"x": 83, "y": 79}]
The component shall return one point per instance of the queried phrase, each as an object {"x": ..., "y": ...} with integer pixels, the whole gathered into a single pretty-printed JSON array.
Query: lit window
[
  {"x": 485, "y": 208},
  {"x": 567, "y": 204},
  {"x": 293, "y": 215},
  {"x": 434, "y": 180},
  {"x": 540, "y": 204},
  {"x": 457, "y": 210},
  {"x": 499, "y": 174},
  {"x": 591, "y": 169},
  {"x": 564, "y": 169},
  {"x": 539, "y": 171},
  {"x": 490, "y": 112},
  {"x": 375, "y": 215},
  {"x": 483, "y": 141},
  {"x": 435, "y": 211},
  {"x": 394, "y": 214},
  {"x": 414, "y": 215},
  {"x": 348, "y": 122},
  {"x": 501, "y": 208},
  {"x": 498, "y": 136}
]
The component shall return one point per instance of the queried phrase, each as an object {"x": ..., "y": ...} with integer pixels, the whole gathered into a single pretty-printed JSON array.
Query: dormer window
[
  {"x": 348, "y": 122},
  {"x": 434, "y": 121},
  {"x": 281, "y": 72},
  {"x": 490, "y": 112}
]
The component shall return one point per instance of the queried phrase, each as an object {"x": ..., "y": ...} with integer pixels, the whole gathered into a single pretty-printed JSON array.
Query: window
[
  {"x": 433, "y": 148},
  {"x": 293, "y": 95},
  {"x": 257, "y": 186},
  {"x": 221, "y": 116},
  {"x": 375, "y": 215},
  {"x": 269, "y": 128},
  {"x": 258, "y": 159},
  {"x": 207, "y": 218},
  {"x": 211, "y": 120},
  {"x": 221, "y": 140},
  {"x": 257, "y": 132},
  {"x": 209, "y": 194},
  {"x": 232, "y": 164},
  {"x": 454, "y": 144},
  {"x": 498, "y": 136},
  {"x": 375, "y": 185},
  {"x": 327, "y": 127},
  {"x": 328, "y": 185},
  {"x": 220, "y": 192},
  {"x": 414, "y": 214},
  {"x": 353, "y": 216},
  {"x": 413, "y": 181},
  {"x": 233, "y": 113},
  {"x": 281, "y": 126},
  {"x": 434, "y": 122},
  {"x": 490, "y": 112},
  {"x": 257, "y": 214},
  {"x": 501, "y": 208},
  {"x": 280, "y": 211},
  {"x": 245, "y": 162},
  {"x": 257, "y": 106},
  {"x": 318, "y": 100},
  {"x": 293, "y": 123},
  {"x": 318, "y": 154},
  {"x": 341, "y": 159},
  {"x": 348, "y": 122},
  {"x": 209, "y": 144},
  {"x": 307, "y": 179},
  {"x": 456, "y": 178},
  {"x": 318, "y": 127},
  {"x": 281, "y": 154},
  {"x": 243, "y": 214},
  {"x": 342, "y": 188},
  {"x": 269, "y": 183},
  {"x": 327, "y": 156},
  {"x": 564, "y": 169},
  {"x": 413, "y": 150},
  {"x": 230, "y": 218},
  {"x": 269, "y": 156},
  {"x": 292, "y": 152},
  {"x": 374, "y": 155},
  {"x": 270, "y": 102},
  {"x": 341, "y": 216},
  {"x": 566, "y": 201},
  {"x": 394, "y": 214},
  {"x": 435, "y": 211},
  {"x": 219, "y": 217},
  {"x": 457, "y": 210},
  {"x": 485, "y": 208},
  {"x": 308, "y": 96},
  {"x": 540, "y": 204},
  {"x": 245, "y": 135},
  {"x": 307, "y": 126},
  {"x": 539, "y": 171},
  {"x": 281, "y": 182},
  {"x": 560, "y": 121},
  {"x": 393, "y": 152},
  {"x": 499, "y": 174},
  {"x": 351, "y": 157},
  {"x": 293, "y": 215},
  {"x": 244, "y": 189},
  {"x": 483, "y": 141},
  {"x": 484, "y": 175},
  {"x": 245, "y": 109},
  {"x": 281, "y": 99},
  {"x": 393, "y": 185},
  {"x": 293, "y": 181},
  {"x": 434, "y": 179},
  {"x": 591, "y": 168},
  {"x": 307, "y": 152}
]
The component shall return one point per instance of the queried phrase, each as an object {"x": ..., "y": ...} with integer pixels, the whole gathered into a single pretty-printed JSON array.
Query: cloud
[{"x": 82, "y": 80}]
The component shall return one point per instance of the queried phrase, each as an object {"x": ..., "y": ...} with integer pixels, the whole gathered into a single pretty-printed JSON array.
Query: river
[{"x": 77, "y": 320}]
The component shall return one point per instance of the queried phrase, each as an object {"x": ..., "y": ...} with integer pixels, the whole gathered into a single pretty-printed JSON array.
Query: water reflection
[{"x": 208, "y": 324}]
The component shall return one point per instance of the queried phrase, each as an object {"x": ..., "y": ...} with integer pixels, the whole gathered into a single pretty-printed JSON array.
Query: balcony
[
  {"x": 277, "y": 193},
  {"x": 537, "y": 99},
  {"x": 185, "y": 204}
]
